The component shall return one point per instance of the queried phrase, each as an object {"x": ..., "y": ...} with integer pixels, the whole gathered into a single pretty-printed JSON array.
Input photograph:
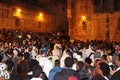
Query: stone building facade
[
  {"x": 18, "y": 17},
  {"x": 87, "y": 19},
  {"x": 94, "y": 19}
]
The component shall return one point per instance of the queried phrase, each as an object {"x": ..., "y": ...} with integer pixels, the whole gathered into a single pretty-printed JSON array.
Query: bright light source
[
  {"x": 83, "y": 18},
  {"x": 18, "y": 10},
  {"x": 40, "y": 17},
  {"x": 40, "y": 14},
  {"x": 17, "y": 13}
]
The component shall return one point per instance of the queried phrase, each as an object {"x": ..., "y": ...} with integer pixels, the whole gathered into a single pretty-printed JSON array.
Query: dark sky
[
  {"x": 36, "y": 2},
  {"x": 43, "y": 4}
]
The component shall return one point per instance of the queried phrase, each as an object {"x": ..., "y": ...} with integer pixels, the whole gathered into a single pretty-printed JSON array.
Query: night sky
[
  {"x": 47, "y": 5},
  {"x": 53, "y": 3},
  {"x": 36, "y": 2}
]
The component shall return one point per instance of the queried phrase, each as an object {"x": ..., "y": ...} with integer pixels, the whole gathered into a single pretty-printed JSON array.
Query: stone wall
[
  {"x": 100, "y": 26},
  {"x": 28, "y": 20}
]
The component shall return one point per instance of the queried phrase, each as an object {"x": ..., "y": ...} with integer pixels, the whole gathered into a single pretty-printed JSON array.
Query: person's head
[
  {"x": 20, "y": 55},
  {"x": 26, "y": 55},
  {"x": 10, "y": 52},
  {"x": 80, "y": 53},
  {"x": 95, "y": 62},
  {"x": 37, "y": 71},
  {"x": 79, "y": 65},
  {"x": 10, "y": 65},
  {"x": 69, "y": 62},
  {"x": 75, "y": 60},
  {"x": 57, "y": 62},
  {"x": 66, "y": 46},
  {"x": 32, "y": 63},
  {"x": 118, "y": 61},
  {"x": 103, "y": 69},
  {"x": 68, "y": 52},
  {"x": 104, "y": 57},
  {"x": 88, "y": 61}
]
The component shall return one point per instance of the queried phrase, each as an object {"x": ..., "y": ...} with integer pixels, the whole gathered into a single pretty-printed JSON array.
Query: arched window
[
  {"x": 84, "y": 25},
  {"x": 17, "y": 22}
]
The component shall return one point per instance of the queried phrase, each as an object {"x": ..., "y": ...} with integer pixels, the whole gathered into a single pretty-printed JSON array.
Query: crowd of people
[{"x": 52, "y": 56}]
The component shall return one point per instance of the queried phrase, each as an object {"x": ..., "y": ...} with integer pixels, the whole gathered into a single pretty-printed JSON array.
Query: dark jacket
[
  {"x": 84, "y": 75},
  {"x": 116, "y": 75},
  {"x": 65, "y": 73},
  {"x": 23, "y": 68},
  {"x": 97, "y": 77}
]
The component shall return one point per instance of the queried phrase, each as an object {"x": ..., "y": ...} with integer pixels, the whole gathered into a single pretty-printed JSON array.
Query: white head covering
[{"x": 15, "y": 52}]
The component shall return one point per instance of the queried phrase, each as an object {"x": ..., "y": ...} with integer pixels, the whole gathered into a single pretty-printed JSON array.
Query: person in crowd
[
  {"x": 45, "y": 63},
  {"x": 34, "y": 52},
  {"x": 74, "y": 65},
  {"x": 115, "y": 52},
  {"x": 8, "y": 55},
  {"x": 55, "y": 69},
  {"x": 84, "y": 75},
  {"x": 95, "y": 65},
  {"x": 14, "y": 38},
  {"x": 6, "y": 71},
  {"x": 4, "y": 74},
  {"x": 78, "y": 56},
  {"x": 87, "y": 52},
  {"x": 66, "y": 72},
  {"x": 97, "y": 54},
  {"x": 66, "y": 53},
  {"x": 98, "y": 77},
  {"x": 103, "y": 71},
  {"x": 57, "y": 51},
  {"x": 89, "y": 68},
  {"x": 116, "y": 73},
  {"x": 29, "y": 75},
  {"x": 23, "y": 66},
  {"x": 10, "y": 68},
  {"x": 17, "y": 57},
  {"x": 43, "y": 50},
  {"x": 104, "y": 58},
  {"x": 37, "y": 72},
  {"x": 29, "y": 50},
  {"x": 32, "y": 63}
]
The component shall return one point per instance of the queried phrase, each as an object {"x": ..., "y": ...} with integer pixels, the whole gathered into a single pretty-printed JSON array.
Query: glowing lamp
[
  {"x": 40, "y": 17},
  {"x": 83, "y": 18},
  {"x": 18, "y": 10}
]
